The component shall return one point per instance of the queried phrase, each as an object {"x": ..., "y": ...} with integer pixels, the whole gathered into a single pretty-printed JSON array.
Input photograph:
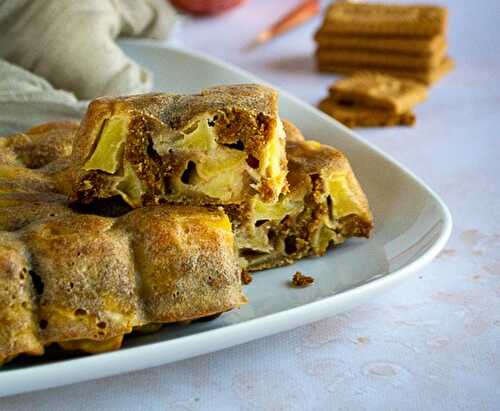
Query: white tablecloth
[{"x": 434, "y": 342}]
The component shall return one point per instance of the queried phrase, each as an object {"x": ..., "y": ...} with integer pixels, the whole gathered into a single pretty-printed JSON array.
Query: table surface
[{"x": 432, "y": 343}]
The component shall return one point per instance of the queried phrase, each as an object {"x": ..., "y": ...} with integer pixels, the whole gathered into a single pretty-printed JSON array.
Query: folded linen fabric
[
  {"x": 71, "y": 43},
  {"x": 26, "y": 100}
]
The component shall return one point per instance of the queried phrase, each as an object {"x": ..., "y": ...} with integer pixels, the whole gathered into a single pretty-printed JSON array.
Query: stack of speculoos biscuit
[
  {"x": 406, "y": 41},
  {"x": 373, "y": 99}
]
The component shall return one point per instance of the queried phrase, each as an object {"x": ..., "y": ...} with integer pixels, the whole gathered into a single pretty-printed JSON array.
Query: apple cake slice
[
  {"x": 221, "y": 146},
  {"x": 83, "y": 280},
  {"x": 324, "y": 207}
]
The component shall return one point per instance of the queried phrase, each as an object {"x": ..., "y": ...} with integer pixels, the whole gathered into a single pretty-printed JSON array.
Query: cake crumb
[
  {"x": 246, "y": 278},
  {"x": 300, "y": 280},
  {"x": 362, "y": 340}
]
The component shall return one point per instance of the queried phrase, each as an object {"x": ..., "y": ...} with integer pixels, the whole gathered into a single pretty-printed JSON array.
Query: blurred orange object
[
  {"x": 206, "y": 7},
  {"x": 300, "y": 14}
]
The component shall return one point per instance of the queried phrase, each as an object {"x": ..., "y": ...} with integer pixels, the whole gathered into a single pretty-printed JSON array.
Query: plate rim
[{"x": 38, "y": 377}]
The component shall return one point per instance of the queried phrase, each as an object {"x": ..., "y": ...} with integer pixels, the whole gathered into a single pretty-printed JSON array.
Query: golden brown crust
[
  {"x": 17, "y": 210},
  {"x": 87, "y": 276},
  {"x": 40, "y": 145},
  {"x": 37, "y": 160},
  {"x": 187, "y": 259},
  {"x": 18, "y": 321}
]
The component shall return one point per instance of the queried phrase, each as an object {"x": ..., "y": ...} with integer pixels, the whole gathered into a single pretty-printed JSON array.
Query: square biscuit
[
  {"x": 427, "y": 76},
  {"x": 376, "y": 90},
  {"x": 373, "y": 18},
  {"x": 391, "y": 44},
  {"x": 357, "y": 116},
  {"x": 380, "y": 58}
]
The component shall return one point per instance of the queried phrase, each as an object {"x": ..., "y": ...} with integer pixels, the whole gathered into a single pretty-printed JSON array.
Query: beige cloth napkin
[
  {"x": 27, "y": 100},
  {"x": 71, "y": 42}
]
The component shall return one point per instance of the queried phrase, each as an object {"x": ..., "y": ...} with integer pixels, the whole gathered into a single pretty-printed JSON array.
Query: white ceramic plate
[{"x": 412, "y": 226}]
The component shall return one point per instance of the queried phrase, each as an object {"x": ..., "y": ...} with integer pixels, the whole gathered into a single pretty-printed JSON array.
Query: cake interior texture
[{"x": 324, "y": 207}]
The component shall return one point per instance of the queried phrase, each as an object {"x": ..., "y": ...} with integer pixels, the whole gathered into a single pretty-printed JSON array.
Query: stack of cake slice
[
  {"x": 402, "y": 40},
  {"x": 225, "y": 147},
  {"x": 149, "y": 211}
]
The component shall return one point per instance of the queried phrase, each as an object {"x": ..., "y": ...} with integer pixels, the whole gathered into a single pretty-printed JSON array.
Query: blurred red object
[{"x": 206, "y": 7}]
